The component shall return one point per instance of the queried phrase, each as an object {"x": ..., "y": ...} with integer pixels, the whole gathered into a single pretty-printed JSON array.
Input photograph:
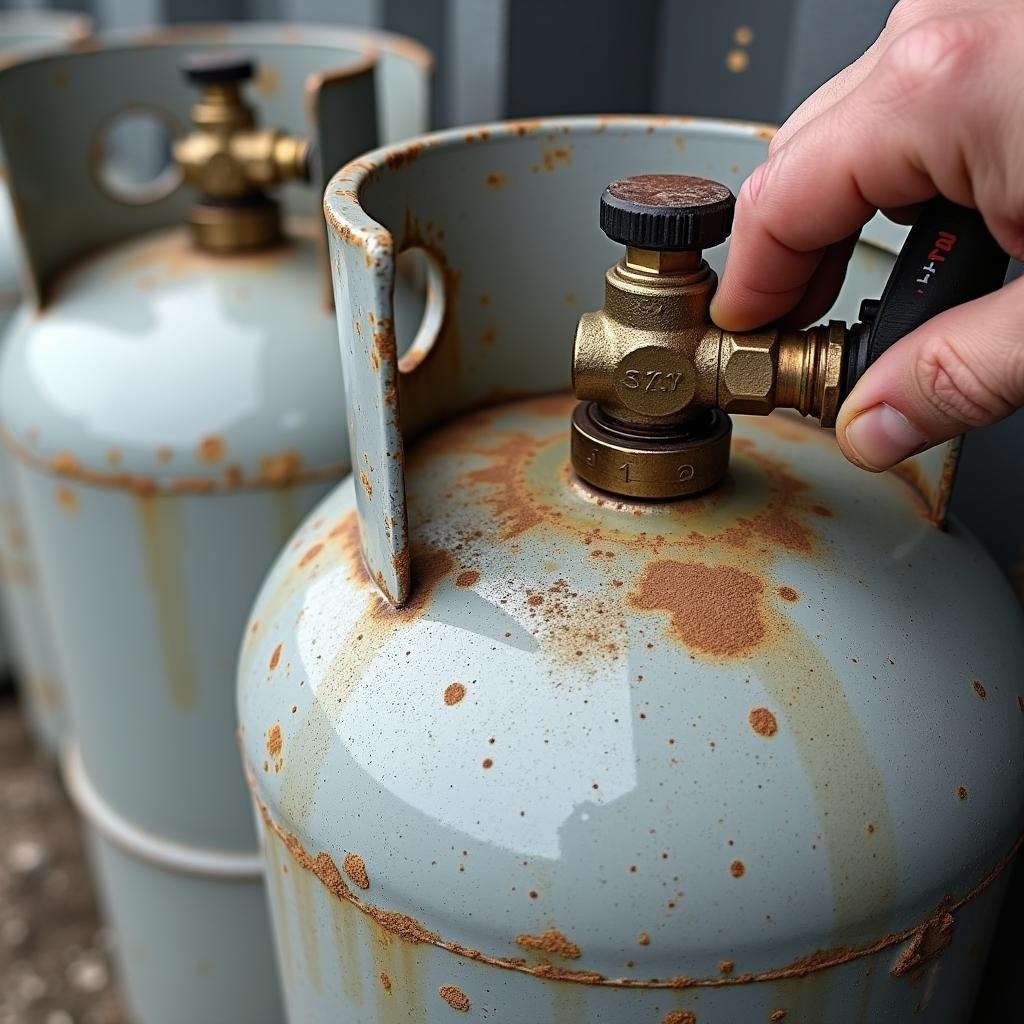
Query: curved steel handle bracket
[{"x": 369, "y": 352}]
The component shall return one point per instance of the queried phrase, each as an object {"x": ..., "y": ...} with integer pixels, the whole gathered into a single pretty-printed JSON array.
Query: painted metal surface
[
  {"x": 733, "y": 758},
  {"x": 171, "y": 417},
  {"x": 25, "y": 645}
]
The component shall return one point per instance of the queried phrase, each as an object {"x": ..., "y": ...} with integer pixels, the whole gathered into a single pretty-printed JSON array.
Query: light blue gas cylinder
[
  {"x": 526, "y": 751},
  {"x": 27, "y": 642},
  {"x": 172, "y": 402}
]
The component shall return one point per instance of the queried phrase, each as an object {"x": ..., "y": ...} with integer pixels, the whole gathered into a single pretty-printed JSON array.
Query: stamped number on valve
[{"x": 649, "y": 380}]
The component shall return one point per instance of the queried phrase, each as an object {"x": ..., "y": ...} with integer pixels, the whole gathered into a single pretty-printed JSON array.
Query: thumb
[{"x": 964, "y": 368}]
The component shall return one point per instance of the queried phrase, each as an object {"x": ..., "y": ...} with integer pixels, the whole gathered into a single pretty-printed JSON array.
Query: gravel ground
[{"x": 54, "y": 953}]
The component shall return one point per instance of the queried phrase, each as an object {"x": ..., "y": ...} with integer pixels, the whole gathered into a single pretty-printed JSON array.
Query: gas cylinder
[
  {"x": 26, "y": 649},
  {"x": 172, "y": 406},
  {"x": 640, "y": 709}
]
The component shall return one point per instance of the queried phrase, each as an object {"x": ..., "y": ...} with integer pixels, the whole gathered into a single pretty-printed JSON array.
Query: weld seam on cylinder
[{"x": 144, "y": 846}]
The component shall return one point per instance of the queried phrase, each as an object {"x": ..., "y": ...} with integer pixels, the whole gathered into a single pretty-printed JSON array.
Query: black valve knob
[
  {"x": 218, "y": 68},
  {"x": 667, "y": 212}
]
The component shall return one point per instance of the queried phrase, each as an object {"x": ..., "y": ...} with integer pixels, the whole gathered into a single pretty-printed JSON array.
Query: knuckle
[
  {"x": 950, "y": 382},
  {"x": 931, "y": 56}
]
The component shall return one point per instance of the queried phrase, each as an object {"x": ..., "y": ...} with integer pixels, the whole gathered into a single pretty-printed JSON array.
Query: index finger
[{"x": 899, "y": 137}]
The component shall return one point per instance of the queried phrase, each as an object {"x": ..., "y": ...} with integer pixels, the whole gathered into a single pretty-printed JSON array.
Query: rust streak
[{"x": 412, "y": 931}]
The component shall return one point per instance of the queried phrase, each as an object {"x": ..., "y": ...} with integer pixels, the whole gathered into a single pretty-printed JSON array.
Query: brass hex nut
[{"x": 746, "y": 373}]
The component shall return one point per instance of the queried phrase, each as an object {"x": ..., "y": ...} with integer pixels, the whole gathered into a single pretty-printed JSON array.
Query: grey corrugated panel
[
  {"x": 580, "y": 56},
  {"x": 826, "y": 36},
  {"x": 727, "y": 60},
  {"x": 477, "y": 45},
  {"x": 425, "y": 20}
]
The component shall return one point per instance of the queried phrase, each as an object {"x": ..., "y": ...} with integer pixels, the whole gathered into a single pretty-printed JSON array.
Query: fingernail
[{"x": 882, "y": 436}]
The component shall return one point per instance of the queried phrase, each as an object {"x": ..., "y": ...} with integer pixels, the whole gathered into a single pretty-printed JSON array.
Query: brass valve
[
  {"x": 656, "y": 376},
  {"x": 232, "y": 162}
]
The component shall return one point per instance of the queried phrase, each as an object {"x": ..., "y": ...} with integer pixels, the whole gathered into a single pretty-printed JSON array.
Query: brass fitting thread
[
  {"x": 656, "y": 376},
  {"x": 232, "y": 162}
]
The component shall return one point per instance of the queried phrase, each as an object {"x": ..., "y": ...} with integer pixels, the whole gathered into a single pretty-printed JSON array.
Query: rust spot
[
  {"x": 979, "y": 688},
  {"x": 726, "y": 967},
  {"x": 679, "y": 1017},
  {"x": 385, "y": 981},
  {"x": 275, "y": 658},
  {"x": 961, "y": 792},
  {"x": 558, "y": 156},
  {"x": 788, "y": 594},
  {"x": 930, "y": 940},
  {"x": 275, "y": 746},
  {"x": 713, "y": 609},
  {"x": 737, "y": 869},
  {"x": 870, "y": 828},
  {"x": 454, "y": 997},
  {"x": 776, "y": 1015},
  {"x": 453, "y": 693},
  {"x": 275, "y": 740},
  {"x": 67, "y": 499},
  {"x": 367, "y": 486},
  {"x": 467, "y": 578},
  {"x": 311, "y": 552},
  {"x": 552, "y": 942},
  {"x": 281, "y": 467},
  {"x": 643, "y": 939},
  {"x": 355, "y": 868},
  {"x": 763, "y": 722},
  {"x": 496, "y": 181},
  {"x": 211, "y": 449},
  {"x": 488, "y": 762},
  {"x": 743, "y": 36},
  {"x": 1020, "y": 703}
]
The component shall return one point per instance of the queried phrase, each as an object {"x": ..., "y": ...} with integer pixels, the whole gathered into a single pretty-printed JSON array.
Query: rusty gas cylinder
[
  {"x": 529, "y": 749},
  {"x": 172, "y": 403},
  {"x": 27, "y": 641}
]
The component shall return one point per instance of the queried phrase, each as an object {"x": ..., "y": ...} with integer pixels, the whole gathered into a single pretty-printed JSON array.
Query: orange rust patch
[
  {"x": 281, "y": 467},
  {"x": 979, "y": 689},
  {"x": 355, "y": 868},
  {"x": 367, "y": 486},
  {"x": 275, "y": 658},
  {"x": 961, "y": 792},
  {"x": 737, "y": 869},
  {"x": 453, "y": 693},
  {"x": 310, "y": 554},
  {"x": 496, "y": 180},
  {"x": 211, "y": 449},
  {"x": 726, "y": 967},
  {"x": 467, "y": 578},
  {"x": 776, "y": 1015},
  {"x": 67, "y": 499},
  {"x": 488, "y": 762},
  {"x": 679, "y": 1017},
  {"x": 763, "y": 722},
  {"x": 454, "y": 997},
  {"x": 552, "y": 942},
  {"x": 385, "y": 981},
  {"x": 559, "y": 156},
  {"x": 788, "y": 594},
  {"x": 643, "y": 939},
  {"x": 713, "y": 609},
  {"x": 275, "y": 740}
]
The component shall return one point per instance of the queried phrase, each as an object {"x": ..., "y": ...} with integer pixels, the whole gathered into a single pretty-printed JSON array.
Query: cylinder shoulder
[
  {"x": 156, "y": 362},
  {"x": 738, "y": 725}
]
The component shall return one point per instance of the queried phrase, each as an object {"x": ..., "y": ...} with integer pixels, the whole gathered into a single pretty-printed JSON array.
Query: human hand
[{"x": 936, "y": 105}]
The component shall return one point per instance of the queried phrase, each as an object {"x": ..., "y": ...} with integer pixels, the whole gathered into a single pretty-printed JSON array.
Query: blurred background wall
[{"x": 754, "y": 59}]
